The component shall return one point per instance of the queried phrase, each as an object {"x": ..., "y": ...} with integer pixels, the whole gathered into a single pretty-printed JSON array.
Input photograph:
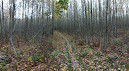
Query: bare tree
[
  {"x": 106, "y": 27},
  {"x": 11, "y": 26},
  {"x": 2, "y": 23},
  {"x": 53, "y": 17}
]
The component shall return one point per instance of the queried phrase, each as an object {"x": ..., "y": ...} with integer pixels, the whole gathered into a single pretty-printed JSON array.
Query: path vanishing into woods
[{"x": 67, "y": 39}]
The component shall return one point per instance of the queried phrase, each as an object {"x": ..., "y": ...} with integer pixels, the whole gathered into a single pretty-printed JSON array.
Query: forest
[{"x": 64, "y": 35}]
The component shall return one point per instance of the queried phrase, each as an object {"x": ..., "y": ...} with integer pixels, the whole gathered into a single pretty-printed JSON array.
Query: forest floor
[{"x": 64, "y": 53}]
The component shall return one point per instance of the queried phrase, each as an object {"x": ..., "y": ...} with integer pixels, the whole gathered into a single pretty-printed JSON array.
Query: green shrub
[
  {"x": 55, "y": 53},
  {"x": 37, "y": 56},
  {"x": 2, "y": 65},
  {"x": 89, "y": 51},
  {"x": 116, "y": 41}
]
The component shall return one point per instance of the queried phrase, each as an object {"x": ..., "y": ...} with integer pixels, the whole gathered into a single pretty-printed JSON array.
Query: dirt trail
[{"x": 74, "y": 61}]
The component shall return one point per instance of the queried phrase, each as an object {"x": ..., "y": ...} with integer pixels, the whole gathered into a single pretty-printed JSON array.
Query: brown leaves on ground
[{"x": 55, "y": 55}]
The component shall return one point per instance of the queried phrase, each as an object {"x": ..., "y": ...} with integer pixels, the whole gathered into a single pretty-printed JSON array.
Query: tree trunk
[
  {"x": 106, "y": 26},
  {"x": 53, "y": 17}
]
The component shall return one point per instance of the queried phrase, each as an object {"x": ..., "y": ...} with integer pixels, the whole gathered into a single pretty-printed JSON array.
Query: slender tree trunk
[
  {"x": 53, "y": 17},
  {"x": 82, "y": 19},
  {"x": 12, "y": 23},
  {"x": 106, "y": 26},
  {"x": 2, "y": 23},
  {"x": 75, "y": 17},
  {"x": 0, "y": 26},
  {"x": 100, "y": 13},
  {"x": 43, "y": 21},
  {"x": 27, "y": 23},
  {"x": 116, "y": 25},
  {"x": 127, "y": 23},
  {"x": 91, "y": 19}
]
